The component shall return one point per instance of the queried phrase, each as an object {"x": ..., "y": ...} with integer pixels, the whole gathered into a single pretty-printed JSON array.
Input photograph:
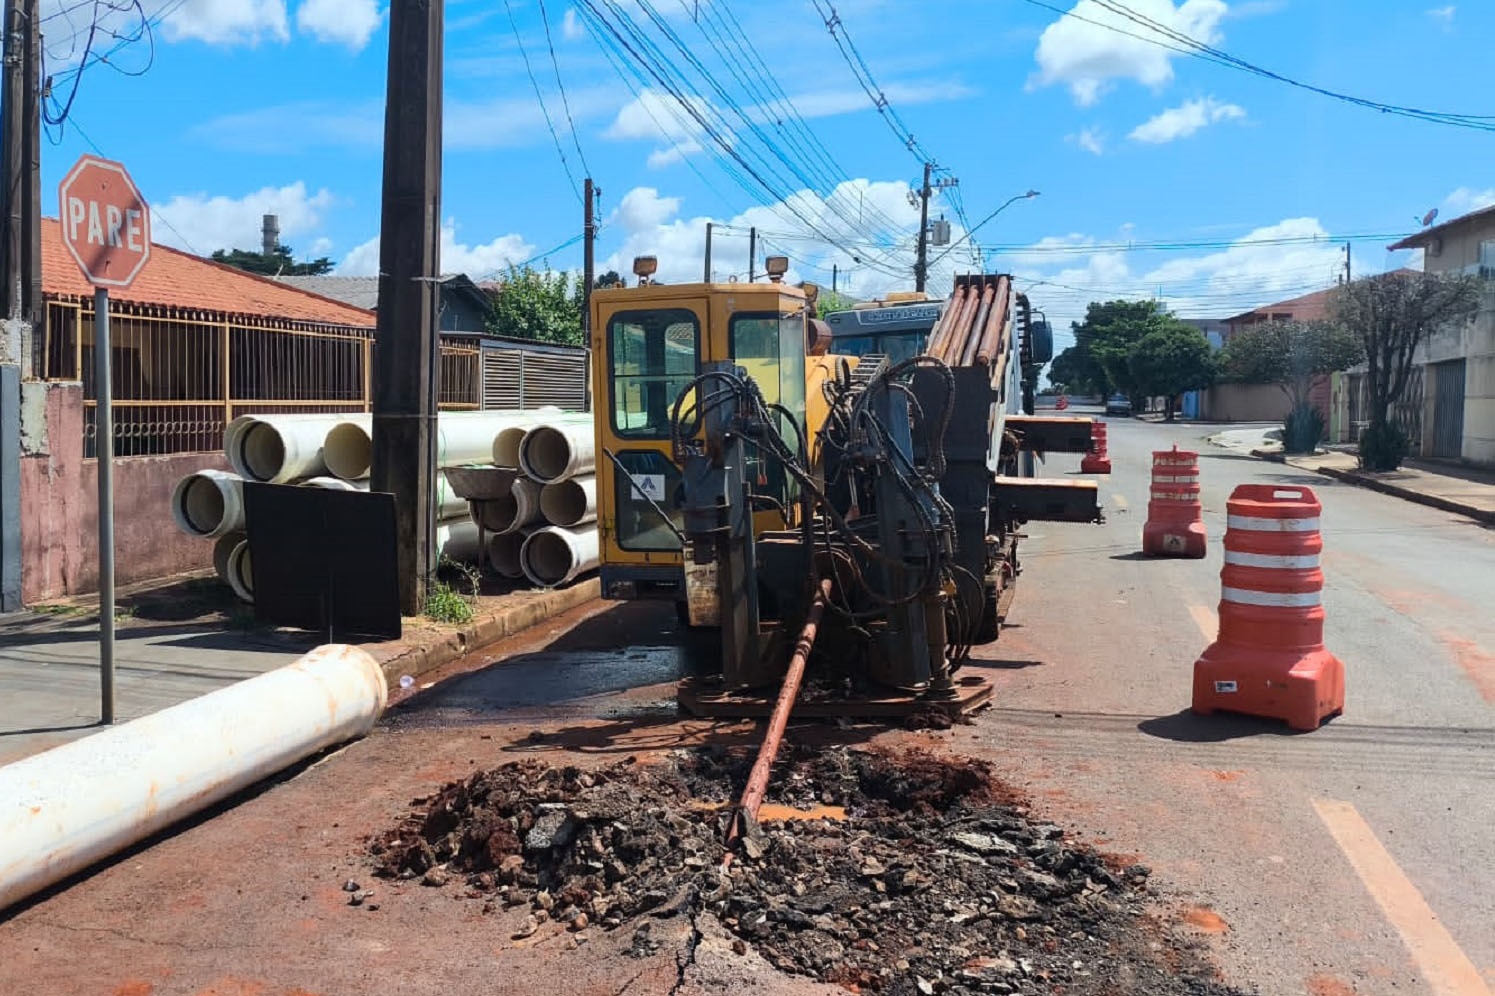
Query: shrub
[
  {"x": 1303, "y": 429},
  {"x": 1383, "y": 446}
]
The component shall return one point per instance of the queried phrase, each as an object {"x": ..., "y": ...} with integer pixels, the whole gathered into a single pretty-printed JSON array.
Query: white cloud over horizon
[
  {"x": 1184, "y": 120},
  {"x": 1089, "y": 57},
  {"x": 200, "y": 222},
  {"x": 1466, "y": 199},
  {"x": 221, "y": 22},
  {"x": 477, "y": 261}
]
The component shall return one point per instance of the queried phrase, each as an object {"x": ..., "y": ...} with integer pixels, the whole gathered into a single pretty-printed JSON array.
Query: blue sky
[{"x": 251, "y": 106}]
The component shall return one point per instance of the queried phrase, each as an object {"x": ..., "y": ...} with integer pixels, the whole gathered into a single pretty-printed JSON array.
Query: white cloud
[
  {"x": 1443, "y": 15},
  {"x": 571, "y": 28},
  {"x": 1091, "y": 139},
  {"x": 828, "y": 103},
  {"x": 1064, "y": 273},
  {"x": 1466, "y": 199},
  {"x": 202, "y": 223},
  {"x": 222, "y": 22},
  {"x": 345, "y": 22},
  {"x": 477, "y": 261},
  {"x": 1087, "y": 57},
  {"x": 1185, "y": 120},
  {"x": 658, "y": 117}
]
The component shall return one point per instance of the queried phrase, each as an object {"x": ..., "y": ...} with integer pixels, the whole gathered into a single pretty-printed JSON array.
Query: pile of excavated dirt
[{"x": 923, "y": 875}]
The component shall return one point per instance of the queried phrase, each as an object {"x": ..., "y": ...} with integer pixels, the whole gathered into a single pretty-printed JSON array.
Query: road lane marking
[
  {"x": 1120, "y": 502},
  {"x": 1204, "y": 618},
  {"x": 1443, "y": 964}
]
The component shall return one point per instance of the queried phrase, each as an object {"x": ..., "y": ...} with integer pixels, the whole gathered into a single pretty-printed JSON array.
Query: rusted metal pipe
[
  {"x": 978, "y": 326},
  {"x": 757, "y": 783}
]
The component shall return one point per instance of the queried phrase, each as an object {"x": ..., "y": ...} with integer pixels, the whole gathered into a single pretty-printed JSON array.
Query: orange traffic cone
[
  {"x": 1269, "y": 659},
  {"x": 1175, "y": 524},
  {"x": 1097, "y": 461}
]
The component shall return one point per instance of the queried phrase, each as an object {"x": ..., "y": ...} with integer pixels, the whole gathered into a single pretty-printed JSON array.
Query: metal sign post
[{"x": 106, "y": 226}]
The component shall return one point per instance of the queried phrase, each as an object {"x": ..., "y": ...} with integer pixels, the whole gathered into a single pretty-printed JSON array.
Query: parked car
[{"x": 1118, "y": 404}]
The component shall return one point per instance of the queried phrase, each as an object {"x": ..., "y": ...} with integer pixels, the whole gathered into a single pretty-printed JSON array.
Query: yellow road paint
[
  {"x": 1205, "y": 619},
  {"x": 1120, "y": 502},
  {"x": 1443, "y": 964}
]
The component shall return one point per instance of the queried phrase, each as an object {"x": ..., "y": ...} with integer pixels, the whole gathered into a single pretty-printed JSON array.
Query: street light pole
[{"x": 983, "y": 221}]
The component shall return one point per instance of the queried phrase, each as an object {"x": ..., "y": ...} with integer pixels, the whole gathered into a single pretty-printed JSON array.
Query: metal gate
[{"x": 1448, "y": 409}]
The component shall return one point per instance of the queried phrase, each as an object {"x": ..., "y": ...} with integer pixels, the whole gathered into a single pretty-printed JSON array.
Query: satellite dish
[{"x": 1428, "y": 218}]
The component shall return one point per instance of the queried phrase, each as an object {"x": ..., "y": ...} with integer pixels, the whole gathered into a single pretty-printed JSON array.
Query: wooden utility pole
[
  {"x": 921, "y": 265},
  {"x": 1346, "y": 264},
  {"x": 706, "y": 277},
  {"x": 406, "y": 353},
  {"x": 588, "y": 265}
]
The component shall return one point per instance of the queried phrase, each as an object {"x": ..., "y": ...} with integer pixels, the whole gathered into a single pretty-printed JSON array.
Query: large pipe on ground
[
  {"x": 554, "y": 451},
  {"x": 208, "y": 503},
  {"x": 278, "y": 449},
  {"x": 458, "y": 540},
  {"x": 222, "y": 548},
  {"x": 506, "y": 444},
  {"x": 461, "y": 438},
  {"x": 504, "y": 552},
  {"x": 570, "y": 502},
  {"x": 72, "y": 806},
  {"x": 526, "y": 502},
  {"x": 238, "y": 571},
  {"x": 553, "y": 555}
]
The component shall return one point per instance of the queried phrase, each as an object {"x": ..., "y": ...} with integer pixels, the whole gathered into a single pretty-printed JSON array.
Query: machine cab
[{"x": 649, "y": 343}]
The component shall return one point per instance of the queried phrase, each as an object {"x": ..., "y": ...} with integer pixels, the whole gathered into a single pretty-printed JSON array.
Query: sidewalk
[{"x": 1462, "y": 490}]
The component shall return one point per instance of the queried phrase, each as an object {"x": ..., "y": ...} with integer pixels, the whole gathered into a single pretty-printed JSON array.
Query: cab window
[
  {"x": 771, "y": 348},
  {"x": 653, "y": 358}
]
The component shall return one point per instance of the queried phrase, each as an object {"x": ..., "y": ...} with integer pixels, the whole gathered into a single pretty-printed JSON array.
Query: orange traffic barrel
[
  {"x": 1269, "y": 658},
  {"x": 1097, "y": 461},
  {"x": 1175, "y": 523}
]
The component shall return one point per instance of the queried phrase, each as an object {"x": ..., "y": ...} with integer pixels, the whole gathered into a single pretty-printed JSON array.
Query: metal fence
[{"x": 179, "y": 377}]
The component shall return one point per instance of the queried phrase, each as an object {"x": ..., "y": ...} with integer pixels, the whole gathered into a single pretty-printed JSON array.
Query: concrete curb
[
  {"x": 1483, "y": 515},
  {"x": 418, "y": 658}
]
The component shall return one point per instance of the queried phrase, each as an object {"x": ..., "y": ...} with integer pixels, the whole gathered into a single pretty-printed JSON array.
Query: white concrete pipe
[
  {"x": 503, "y": 552},
  {"x": 506, "y": 444},
  {"x": 72, "y": 806},
  {"x": 495, "y": 514},
  {"x": 553, "y": 555},
  {"x": 461, "y": 438},
  {"x": 278, "y": 449},
  {"x": 570, "y": 502},
  {"x": 458, "y": 540},
  {"x": 208, "y": 503},
  {"x": 221, "y": 550},
  {"x": 526, "y": 502},
  {"x": 555, "y": 451},
  {"x": 238, "y": 573}
]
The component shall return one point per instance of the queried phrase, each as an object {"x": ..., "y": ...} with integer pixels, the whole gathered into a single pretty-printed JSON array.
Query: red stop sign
[{"x": 106, "y": 224}]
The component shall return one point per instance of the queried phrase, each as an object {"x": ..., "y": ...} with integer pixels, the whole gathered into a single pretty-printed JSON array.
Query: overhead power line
[
  {"x": 540, "y": 98},
  {"x": 859, "y": 68},
  {"x": 565, "y": 103},
  {"x": 1178, "y": 41}
]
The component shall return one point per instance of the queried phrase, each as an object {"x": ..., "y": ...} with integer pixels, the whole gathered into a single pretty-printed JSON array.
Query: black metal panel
[
  {"x": 1051, "y": 433},
  {"x": 323, "y": 560},
  {"x": 1028, "y": 499},
  {"x": 628, "y": 582}
]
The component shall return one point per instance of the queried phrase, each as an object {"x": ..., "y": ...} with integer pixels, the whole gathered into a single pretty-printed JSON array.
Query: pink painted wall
[{"x": 59, "y": 502}]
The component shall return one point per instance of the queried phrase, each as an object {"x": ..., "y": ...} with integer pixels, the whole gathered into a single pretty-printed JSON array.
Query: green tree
[
  {"x": 544, "y": 305},
  {"x": 830, "y": 301},
  {"x": 1171, "y": 359},
  {"x": 1392, "y": 314},
  {"x": 1073, "y": 371},
  {"x": 280, "y": 263},
  {"x": 1292, "y": 355},
  {"x": 1104, "y": 342},
  {"x": 608, "y": 279}
]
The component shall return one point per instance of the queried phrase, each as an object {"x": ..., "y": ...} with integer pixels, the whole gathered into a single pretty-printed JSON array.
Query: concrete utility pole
[
  {"x": 406, "y": 344},
  {"x": 752, "y": 253},
  {"x": 921, "y": 266},
  {"x": 835, "y": 273},
  {"x": 706, "y": 276},
  {"x": 1346, "y": 264},
  {"x": 588, "y": 255}
]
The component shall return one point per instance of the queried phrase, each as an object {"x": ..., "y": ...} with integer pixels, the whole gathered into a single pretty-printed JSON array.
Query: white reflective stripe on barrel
[
  {"x": 1253, "y": 524},
  {"x": 1275, "y": 599},
  {"x": 1174, "y": 496},
  {"x": 1305, "y": 562},
  {"x": 1162, "y": 479}
]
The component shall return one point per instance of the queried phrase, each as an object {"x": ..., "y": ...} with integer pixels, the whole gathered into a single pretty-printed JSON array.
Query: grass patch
[{"x": 452, "y": 593}]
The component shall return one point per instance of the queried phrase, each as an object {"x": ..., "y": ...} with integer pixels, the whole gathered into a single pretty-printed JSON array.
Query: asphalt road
[{"x": 1353, "y": 859}]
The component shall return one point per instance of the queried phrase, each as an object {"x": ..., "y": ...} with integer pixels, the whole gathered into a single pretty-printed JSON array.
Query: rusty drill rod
[{"x": 757, "y": 783}]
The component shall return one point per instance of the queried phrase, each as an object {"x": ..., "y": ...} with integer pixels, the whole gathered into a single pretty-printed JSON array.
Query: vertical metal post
[
  {"x": 706, "y": 276},
  {"x": 103, "y": 436},
  {"x": 589, "y": 276},
  {"x": 406, "y": 346},
  {"x": 835, "y": 276},
  {"x": 921, "y": 266},
  {"x": 752, "y": 253}
]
